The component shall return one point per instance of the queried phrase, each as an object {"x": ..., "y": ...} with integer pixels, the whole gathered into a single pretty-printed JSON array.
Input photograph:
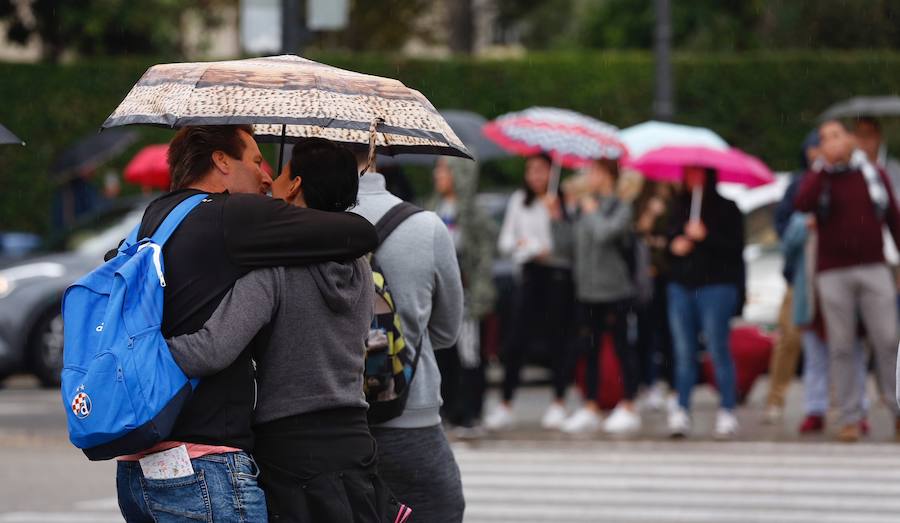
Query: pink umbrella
[{"x": 733, "y": 165}]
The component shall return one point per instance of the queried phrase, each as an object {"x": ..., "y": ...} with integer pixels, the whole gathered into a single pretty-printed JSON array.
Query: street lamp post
[
  {"x": 293, "y": 26},
  {"x": 664, "y": 102}
]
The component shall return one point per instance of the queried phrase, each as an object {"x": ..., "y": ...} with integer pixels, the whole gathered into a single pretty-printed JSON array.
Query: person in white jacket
[{"x": 543, "y": 301}]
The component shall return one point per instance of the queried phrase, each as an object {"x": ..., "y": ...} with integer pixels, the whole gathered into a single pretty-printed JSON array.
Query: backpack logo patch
[{"x": 81, "y": 405}]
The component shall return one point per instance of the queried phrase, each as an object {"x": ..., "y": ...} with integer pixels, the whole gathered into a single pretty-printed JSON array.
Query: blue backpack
[{"x": 121, "y": 388}]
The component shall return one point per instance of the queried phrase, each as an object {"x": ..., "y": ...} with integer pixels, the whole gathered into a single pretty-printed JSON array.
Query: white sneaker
[
  {"x": 679, "y": 423},
  {"x": 726, "y": 425},
  {"x": 672, "y": 403},
  {"x": 655, "y": 399},
  {"x": 583, "y": 421},
  {"x": 622, "y": 422},
  {"x": 554, "y": 417},
  {"x": 773, "y": 415},
  {"x": 500, "y": 418}
]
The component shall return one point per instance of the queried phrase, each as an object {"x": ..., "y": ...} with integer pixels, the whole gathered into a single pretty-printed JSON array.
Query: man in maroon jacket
[{"x": 852, "y": 201}]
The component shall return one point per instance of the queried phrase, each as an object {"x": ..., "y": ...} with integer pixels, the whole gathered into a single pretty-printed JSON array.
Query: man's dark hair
[
  {"x": 328, "y": 170},
  {"x": 868, "y": 120},
  {"x": 190, "y": 152}
]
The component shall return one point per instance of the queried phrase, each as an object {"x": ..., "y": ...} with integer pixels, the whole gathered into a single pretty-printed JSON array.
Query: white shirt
[{"x": 526, "y": 231}]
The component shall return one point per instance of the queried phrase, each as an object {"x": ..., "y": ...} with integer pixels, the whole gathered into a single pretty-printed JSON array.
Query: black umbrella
[
  {"x": 467, "y": 126},
  {"x": 7, "y": 137},
  {"x": 860, "y": 106},
  {"x": 92, "y": 151}
]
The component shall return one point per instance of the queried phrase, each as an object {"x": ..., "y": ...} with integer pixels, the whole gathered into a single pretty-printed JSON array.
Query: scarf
[{"x": 877, "y": 192}]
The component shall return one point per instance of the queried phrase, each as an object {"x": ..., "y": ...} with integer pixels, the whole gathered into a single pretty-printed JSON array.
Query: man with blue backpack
[{"x": 191, "y": 459}]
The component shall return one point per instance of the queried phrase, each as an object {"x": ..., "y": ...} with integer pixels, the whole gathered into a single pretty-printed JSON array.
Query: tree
[
  {"x": 103, "y": 27},
  {"x": 538, "y": 24}
]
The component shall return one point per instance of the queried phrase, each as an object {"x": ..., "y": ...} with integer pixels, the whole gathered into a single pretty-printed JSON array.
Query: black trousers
[
  {"x": 654, "y": 339},
  {"x": 541, "y": 320},
  {"x": 593, "y": 321},
  {"x": 322, "y": 466},
  {"x": 462, "y": 388}
]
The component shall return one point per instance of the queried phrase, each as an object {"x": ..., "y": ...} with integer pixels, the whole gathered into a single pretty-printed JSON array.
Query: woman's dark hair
[
  {"x": 330, "y": 180},
  {"x": 529, "y": 193},
  {"x": 611, "y": 166},
  {"x": 190, "y": 152}
]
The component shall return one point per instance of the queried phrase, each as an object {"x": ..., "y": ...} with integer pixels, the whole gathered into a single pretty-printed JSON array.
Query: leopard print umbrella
[{"x": 292, "y": 97}]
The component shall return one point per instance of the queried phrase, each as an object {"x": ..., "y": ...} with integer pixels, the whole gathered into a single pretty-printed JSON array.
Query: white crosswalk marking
[{"x": 669, "y": 482}]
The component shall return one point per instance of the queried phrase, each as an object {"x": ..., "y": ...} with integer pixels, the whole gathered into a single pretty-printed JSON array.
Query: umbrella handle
[
  {"x": 553, "y": 184},
  {"x": 696, "y": 202},
  {"x": 281, "y": 150},
  {"x": 370, "y": 160}
]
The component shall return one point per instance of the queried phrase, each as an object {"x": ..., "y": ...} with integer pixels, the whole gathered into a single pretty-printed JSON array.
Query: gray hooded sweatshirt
[
  {"x": 419, "y": 263},
  {"x": 592, "y": 242},
  {"x": 317, "y": 319}
]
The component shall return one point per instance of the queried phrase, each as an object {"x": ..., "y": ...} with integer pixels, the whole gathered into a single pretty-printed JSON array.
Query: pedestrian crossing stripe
[{"x": 664, "y": 482}]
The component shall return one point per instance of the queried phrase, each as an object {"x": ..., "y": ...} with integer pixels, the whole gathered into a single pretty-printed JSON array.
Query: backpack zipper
[{"x": 157, "y": 250}]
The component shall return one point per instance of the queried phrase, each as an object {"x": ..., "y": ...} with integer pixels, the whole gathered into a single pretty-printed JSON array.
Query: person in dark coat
[{"x": 706, "y": 288}]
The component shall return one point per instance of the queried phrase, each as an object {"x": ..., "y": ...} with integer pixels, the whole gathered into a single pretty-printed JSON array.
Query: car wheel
[{"x": 46, "y": 348}]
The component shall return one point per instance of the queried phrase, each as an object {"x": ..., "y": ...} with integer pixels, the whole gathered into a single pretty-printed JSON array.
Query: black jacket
[
  {"x": 720, "y": 257},
  {"x": 222, "y": 239}
]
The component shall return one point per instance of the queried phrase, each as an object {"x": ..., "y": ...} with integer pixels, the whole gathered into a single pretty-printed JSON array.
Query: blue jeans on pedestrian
[
  {"x": 815, "y": 374},
  {"x": 223, "y": 489},
  {"x": 707, "y": 309}
]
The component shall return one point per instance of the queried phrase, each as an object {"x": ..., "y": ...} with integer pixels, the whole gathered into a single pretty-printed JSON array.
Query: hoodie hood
[
  {"x": 465, "y": 183},
  {"x": 340, "y": 284},
  {"x": 465, "y": 178}
]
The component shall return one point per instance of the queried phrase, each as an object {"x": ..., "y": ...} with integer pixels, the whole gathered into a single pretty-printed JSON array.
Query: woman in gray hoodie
[
  {"x": 597, "y": 240},
  {"x": 313, "y": 445}
]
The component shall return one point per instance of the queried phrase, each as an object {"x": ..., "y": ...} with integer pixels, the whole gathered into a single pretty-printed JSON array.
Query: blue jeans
[
  {"x": 223, "y": 488},
  {"x": 815, "y": 374},
  {"x": 707, "y": 309}
]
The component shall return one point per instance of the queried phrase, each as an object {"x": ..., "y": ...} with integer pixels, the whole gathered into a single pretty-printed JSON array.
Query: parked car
[
  {"x": 31, "y": 290},
  {"x": 15, "y": 245}
]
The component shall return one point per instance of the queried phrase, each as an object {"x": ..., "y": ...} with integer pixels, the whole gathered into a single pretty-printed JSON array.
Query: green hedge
[{"x": 763, "y": 103}]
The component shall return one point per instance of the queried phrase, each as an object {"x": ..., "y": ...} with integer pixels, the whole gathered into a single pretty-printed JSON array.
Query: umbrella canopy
[
  {"x": 291, "y": 97},
  {"x": 467, "y": 126},
  {"x": 150, "y": 167},
  {"x": 8, "y": 138},
  {"x": 571, "y": 138},
  {"x": 859, "y": 106},
  {"x": 92, "y": 151},
  {"x": 733, "y": 165},
  {"x": 645, "y": 137}
]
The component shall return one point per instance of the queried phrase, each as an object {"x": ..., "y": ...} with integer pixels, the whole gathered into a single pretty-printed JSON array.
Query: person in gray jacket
[
  {"x": 597, "y": 240},
  {"x": 312, "y": 441},
  {"x": 419, "y": 263}
]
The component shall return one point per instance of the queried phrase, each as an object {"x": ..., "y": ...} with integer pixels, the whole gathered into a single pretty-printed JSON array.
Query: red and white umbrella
[{"x": 570, "y": 138}]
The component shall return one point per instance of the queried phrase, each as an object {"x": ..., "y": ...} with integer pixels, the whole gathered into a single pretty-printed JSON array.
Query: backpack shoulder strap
[
  {"x": 173, "y": 220},
  {"x": 393, "y": 218}
]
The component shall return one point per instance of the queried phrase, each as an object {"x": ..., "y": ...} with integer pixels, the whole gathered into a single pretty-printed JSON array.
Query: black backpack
[{"x": 389, "y": 368}]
